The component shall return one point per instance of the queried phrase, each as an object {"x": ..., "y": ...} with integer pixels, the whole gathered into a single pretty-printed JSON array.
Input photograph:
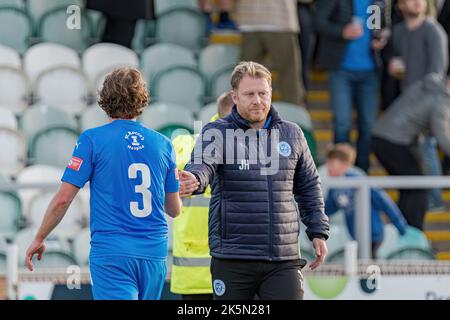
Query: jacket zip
[{"x": 269, "y": 182}]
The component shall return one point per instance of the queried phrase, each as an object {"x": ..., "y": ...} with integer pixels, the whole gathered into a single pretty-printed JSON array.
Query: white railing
[
  {"x": 363, "y": 208},
  {"x": 361, "y": 184}
]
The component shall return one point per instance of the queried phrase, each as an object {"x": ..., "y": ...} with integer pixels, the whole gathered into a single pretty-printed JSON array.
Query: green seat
[
  {"x": 64, "y": 88},
  {"x": 144, "y": 35},
  {"x": 192, "y": 33},
  {"x": 220, "y": 82},
  {"x": 14, "y": 155},
  {"x": 216, "y": 57},
  {"x": 207, "y": 112},
  {"x": 2, "y": 263},
  {"x": 161, "y": 56},
  {"x": 14, "y": 89},
  {"x": 9, "y": 57},
  {"x": 38, "y": 8},
  {"x": 81, "y": 247},
  {"x": 312, "y": 144},
  {"x": 393, "y": 242},
  {"x": 101, "y": 58},
  {"x": 54, "y": 259},
  {"x": 50, "y": 29},
  {"x": 173, "y": 131},
  {"x": 16, "y": 28},
  {"x": 180, "y": 85},
  {"x": 339, "y": 237},
  {"x": 162, "y": 6},
  {"x": 20, "y": 4},
  {"x": 40, "y": 117},
  {"x": 10, "y": 217},
  {"x": 166, "y": 118},
  {"x": 53, "y": 146},
  {"x": 93, "y": 116},
  {"x": 411, "y": 253}
]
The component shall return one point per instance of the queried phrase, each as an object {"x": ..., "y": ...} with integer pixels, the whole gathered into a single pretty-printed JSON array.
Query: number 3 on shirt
[{"x": 142, "y": 188}]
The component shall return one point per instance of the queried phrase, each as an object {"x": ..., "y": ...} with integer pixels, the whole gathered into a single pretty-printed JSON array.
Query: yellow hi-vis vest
[{"x": 191, "y": 259}]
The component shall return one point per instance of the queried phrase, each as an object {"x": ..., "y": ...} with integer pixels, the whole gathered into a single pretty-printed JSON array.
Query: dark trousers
[
  {"x": 197, "y": 296},
  {"x": 305, "y": 17},
  {"x": 269, "y": 280},
  {"x": 360, "y": 88},
  {"x": 120, "y": 31},
  {"x": 402, "y": 160}
]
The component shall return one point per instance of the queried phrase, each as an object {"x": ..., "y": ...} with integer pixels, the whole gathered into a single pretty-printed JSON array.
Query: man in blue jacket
[
  {"x": 340, "y": 159},
  {"x": 260, "y": 168}
]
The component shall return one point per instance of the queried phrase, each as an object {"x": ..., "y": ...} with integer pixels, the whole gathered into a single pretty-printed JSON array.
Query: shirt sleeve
[
  {"x": 172, "y": 183},
  {"x": 79, "y": 168}
]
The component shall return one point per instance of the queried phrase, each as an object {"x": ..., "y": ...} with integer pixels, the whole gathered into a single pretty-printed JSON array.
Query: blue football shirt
[{"x": 130, "y": 168}]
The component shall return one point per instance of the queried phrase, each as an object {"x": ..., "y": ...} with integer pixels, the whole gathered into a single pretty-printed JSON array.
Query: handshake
[{"x": 188, "y": 183}]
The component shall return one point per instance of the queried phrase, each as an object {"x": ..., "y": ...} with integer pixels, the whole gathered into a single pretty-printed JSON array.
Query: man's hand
[
  {"x": 321, "y": 250},
  {"x": 379, "y": 44},
  {"x": 36, "y": 247},
  {"x": 352, "y": 31},
  {"x": 188, "y": 183}
]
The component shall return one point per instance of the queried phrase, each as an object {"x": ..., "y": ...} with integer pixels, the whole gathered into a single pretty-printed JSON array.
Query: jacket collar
[{"x": 243, "y": 124}]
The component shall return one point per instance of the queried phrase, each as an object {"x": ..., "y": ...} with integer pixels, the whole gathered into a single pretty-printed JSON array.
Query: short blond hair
[
  {"x": 252, "y": 69},
  {"x": 343, "y": 152},
  {"x": 224, "y": 104}
]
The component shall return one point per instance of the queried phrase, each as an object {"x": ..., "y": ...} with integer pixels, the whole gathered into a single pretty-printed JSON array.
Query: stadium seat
[
  {"x": 38, "y": 8},
  {"x": 414, "y": 254},
  {"x": 102, "y": 58},
  {"x": 144, "y": 35},
  {"x": 14, "y": 147},
  {"x": 338, "y": 239},
  {"x": 54, "y": 259},
  {"x": 217, "y": 57},
  {"x": 18, "y": 21},
  {"x": 304, "y": 242},
  {"x": 2, "y": 263},
  {"x": 414, "y": 242},
  {"x": 54, "y": 243},
  {"x": 64, "y": 88},
  {"x": 191, "y": 35},
  {"x": 50, "y": 29},
  {"x": 81, "y": 247},
  {"x": 36, "y": 174},
  {"x": 69, "y": 226},
  {"x": 9, "y": 57},
  {"x": 98, "y": 23},
  {"x": 93, "y": 116},
  {"x": 11, "y": 214},
  {"x": 220, "y": 82},
  {"x": 180, "y": 85},
  {"x": 166, "y": 118},
  {"x": 207, "y": 112},
  {"x": 44, "y": 56},
  {"x": 162, "y": 6},
  {"x": 40, "y": 117},
  {"x": 14, "y": 3},
  {"x": 14, "y": 89},
  {"x": 162, "y": 56},
  {"x": 294, "y": 113},
  {"x": 53, "y": 146},
  {"x": 7, "y": 119}
]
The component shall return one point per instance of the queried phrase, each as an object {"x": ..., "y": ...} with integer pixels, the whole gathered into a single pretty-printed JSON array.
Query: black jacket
[
  {"x": 133, "y": 9},
  {"x": 331, "y": 16},
  {"x": 252, "y": 215}
]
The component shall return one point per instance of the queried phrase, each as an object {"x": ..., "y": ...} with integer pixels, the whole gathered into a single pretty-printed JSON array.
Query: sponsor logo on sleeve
[{"x": 75, "y": 163}]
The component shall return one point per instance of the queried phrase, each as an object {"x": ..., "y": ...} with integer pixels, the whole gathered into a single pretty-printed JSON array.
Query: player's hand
[
  {"x": 36, "y": 247},
  {"x": 321, "y": 250},
  {"x": 188, "y": 183}
]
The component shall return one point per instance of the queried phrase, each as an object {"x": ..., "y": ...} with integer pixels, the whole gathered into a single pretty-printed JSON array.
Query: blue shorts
[{"x": 124, "y": 278}]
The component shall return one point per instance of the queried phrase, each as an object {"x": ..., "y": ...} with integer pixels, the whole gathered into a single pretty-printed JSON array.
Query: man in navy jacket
[{"x": 260, "y": 168}]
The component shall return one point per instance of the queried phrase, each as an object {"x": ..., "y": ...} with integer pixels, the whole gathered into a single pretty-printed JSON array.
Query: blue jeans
[
  {"x": 432, "y": 167},
  {"x": 362, "y": 89}
]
